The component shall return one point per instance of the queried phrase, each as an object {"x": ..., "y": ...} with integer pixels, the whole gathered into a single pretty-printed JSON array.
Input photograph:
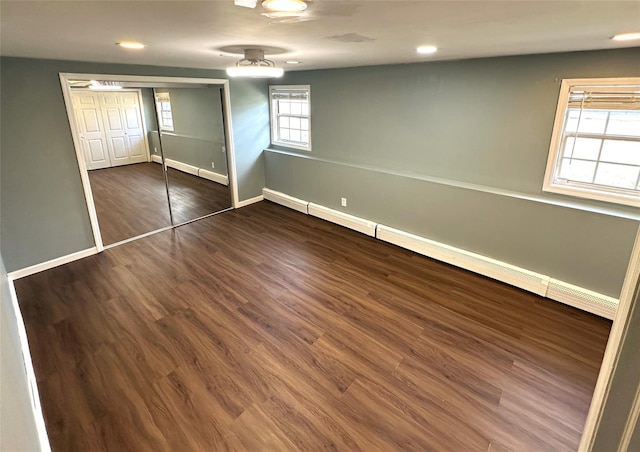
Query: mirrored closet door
[
  {"x": 192, "y": 140},
  {"x": 155, "y": 153}
]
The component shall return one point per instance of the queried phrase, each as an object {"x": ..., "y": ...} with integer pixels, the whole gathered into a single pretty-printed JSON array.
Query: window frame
[
  {"x": 273, "y": 119},
  {"x": 582, "y": 189},
  {"x": 159, "y": 111}
]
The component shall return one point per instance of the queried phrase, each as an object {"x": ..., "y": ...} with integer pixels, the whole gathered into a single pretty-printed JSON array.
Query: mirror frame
[{"x": 84, "y": 174}]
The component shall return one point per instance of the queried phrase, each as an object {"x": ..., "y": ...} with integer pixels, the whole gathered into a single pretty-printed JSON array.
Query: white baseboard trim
[
  {"x": 286, "y": 200},
  {"x": 543, "y": 285},
  {"x": 250, "y": 201},
  {"x": 193, "y": 170},
  {"x": 343, "y": 219},
  {"x": 213, "y": 177},
  {"x": 185, "y": 168},
  {"x": 510, "y": 274},
  {"x": 27, "y": 271},
  {"x": 34, "y": 395}
]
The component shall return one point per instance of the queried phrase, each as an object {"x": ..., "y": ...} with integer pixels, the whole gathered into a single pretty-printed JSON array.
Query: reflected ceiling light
[
  {"x": 131, "y": 45},
  {"x": 284, "y": 5},
  {"x": 255, "y": 65},
  {"x": 627, "y": 36},
  {"x": 292, "y": 62},
  {"x": 426, "y": 50},
  {"x": 104, "y": 85}
]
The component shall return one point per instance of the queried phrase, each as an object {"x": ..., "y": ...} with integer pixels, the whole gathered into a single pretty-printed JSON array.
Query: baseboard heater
[
  {"x": 543, "y": 285},
  {"x": 343, "y": 219},
  {"x": 286, "y": 200},
  {"x": 516, "y": 276},
  {"x": 194, "y": 170}
]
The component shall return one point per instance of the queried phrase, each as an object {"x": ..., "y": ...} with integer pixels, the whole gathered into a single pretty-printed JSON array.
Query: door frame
[
  {"x": 142, "y": 118},
  {"x": 148, "y": 81},
  {"x": 611, "y": 358}
]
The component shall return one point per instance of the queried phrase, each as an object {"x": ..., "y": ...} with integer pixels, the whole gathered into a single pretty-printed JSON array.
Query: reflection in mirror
[
  {"x": 128, "y": 189},
  {"x": 192, "y": 139}
]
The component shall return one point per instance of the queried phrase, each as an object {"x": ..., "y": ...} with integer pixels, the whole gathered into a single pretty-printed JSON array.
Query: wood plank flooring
[
  {"x": 132, "y": 200},
  {"x": 263, "y": 329},
  {"x": 194, "y": 197}
]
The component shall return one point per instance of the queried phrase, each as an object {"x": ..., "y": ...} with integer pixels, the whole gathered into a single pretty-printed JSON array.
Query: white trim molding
[
  {"x": 250, "y": 201},
  {"x": 343, "y": 219},
  {"x": 33, "y": 269},
  {"x": 193, "y": 170},
  {"x": 286, "y": 200},
  {"x": 213, "y": 177},
  {"x": 34, "y": 395},
  {"x": 510, "y": 274},
  {"x": 543, "y": 285}
]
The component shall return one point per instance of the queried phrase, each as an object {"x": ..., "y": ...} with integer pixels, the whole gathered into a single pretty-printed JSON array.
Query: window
[
  {"x": 595, "y": 147},
  {"x": 290, "y": 116},
  {"x": 165, "y": 116}
]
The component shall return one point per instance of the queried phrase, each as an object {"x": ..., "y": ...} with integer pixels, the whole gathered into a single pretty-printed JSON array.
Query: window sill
[
  {"x": 286, "y": 146},
  {"x": 592, "y": 194}
]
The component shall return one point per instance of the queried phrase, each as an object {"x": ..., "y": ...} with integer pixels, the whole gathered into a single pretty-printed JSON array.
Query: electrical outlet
[
  {"x": 213, "y": 164},
  {"x": 343, "y": 202}
]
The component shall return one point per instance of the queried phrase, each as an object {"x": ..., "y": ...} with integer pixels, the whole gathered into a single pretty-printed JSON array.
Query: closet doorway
[
  {"x": 110, "y": 126},
  {"x": 153, "y": 152}
]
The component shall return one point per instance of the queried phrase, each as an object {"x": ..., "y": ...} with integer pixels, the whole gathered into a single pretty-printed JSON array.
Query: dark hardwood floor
[
  {"x": 266, "y": 329},
  {"x": 194, "y": 197},
  {"x": 132, "y": 200}
]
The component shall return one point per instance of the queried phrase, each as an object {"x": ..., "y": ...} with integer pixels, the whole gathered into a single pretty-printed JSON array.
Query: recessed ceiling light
[
  {"x": 627, "y": 36},
  {"x": 425, "y": 50},
  {"x": 284, "y": 5},
  {"x": 131, "y": 45},
  {"x": 292, "y": 62}
]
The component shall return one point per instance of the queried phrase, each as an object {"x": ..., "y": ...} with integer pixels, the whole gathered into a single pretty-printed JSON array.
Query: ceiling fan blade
[{"x": 246, "y": 3}]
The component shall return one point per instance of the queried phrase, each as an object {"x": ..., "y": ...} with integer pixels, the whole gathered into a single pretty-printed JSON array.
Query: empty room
[{"x": 289, "y": 225}]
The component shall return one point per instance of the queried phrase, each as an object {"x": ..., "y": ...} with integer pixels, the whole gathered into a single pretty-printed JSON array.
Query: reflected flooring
[
  {"x": 194, "y": 197},
  {"x": 132, "y": 200},
  {"x": 266, "y": 329}
]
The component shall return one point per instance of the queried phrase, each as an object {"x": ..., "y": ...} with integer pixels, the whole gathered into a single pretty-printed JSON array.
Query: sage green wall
[
  {"x": 380, "y": 134},
  {"x": 43, "y": 210},
  {"x": 198, "y": 135},
  {"x": 17, "y": 423},
  {"x": 149, "y": 109}
]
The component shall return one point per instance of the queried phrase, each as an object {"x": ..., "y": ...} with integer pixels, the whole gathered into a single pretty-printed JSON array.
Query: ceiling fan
[
  {"x": 284, "y": 11},
  {"x": 292, "y": 11},
  {"x": 275, "y": 5}
]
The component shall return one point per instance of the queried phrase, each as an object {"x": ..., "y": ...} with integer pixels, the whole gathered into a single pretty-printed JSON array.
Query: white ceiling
[{"x": 190, "y": 33}]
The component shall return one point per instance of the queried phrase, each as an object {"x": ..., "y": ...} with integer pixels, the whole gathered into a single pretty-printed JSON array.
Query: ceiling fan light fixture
[
  {"x": 626, "y": 36},
  {"x": 131, "y": 45},
  {"x": 426, "y": 50},
  {"x": 285, "y": 5},
  {"x": 255, "y": 65}
]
